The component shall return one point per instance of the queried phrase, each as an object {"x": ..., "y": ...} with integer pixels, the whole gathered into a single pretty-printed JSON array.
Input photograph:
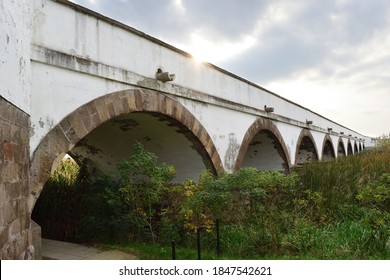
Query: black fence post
[
  {"x": 173, "y": 250},
  {"x": 218, "y": 239},
  {"x": 198, "y": 243}
]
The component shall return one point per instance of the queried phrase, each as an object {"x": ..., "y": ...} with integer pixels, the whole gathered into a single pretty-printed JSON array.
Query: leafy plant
[{"x": 143, "y": 182}]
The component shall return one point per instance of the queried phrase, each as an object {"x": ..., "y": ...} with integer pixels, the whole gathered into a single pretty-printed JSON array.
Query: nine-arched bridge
[{"x": 96, "y": 86}]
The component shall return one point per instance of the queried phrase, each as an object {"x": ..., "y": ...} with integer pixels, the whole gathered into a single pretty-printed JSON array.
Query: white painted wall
[
  {"x": 15, "y": 36},
  {"x": 121, "y": 58}
]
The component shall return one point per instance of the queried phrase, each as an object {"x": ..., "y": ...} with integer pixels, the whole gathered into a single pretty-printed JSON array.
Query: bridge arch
[
  {"x": 341, "y": 149},
  {"x": 349, "y": 149},
  {"x": 355, "y": 148},
  {"x": 306, "y": 150},
  {"x": 75, "y": 126},
  {"x": 327, "y": 149},
  {"x": 263, "y": 135}
]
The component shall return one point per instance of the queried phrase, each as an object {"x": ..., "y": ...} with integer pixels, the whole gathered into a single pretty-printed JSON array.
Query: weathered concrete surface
[{"x": 15, "y": 38}]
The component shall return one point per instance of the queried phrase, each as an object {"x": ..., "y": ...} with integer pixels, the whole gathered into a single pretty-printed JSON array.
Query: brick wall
[{"x": 16, "y": 237}]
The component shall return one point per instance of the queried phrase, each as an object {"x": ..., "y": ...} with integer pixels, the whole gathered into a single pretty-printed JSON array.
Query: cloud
[{"x": 177, "y": 19}]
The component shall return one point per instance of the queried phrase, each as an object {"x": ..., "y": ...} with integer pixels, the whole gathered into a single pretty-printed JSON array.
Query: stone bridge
[{"x": 74, "y": 81}]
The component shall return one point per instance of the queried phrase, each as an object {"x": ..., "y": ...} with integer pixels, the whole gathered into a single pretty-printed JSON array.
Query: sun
[{"x": 205, "y": 50}]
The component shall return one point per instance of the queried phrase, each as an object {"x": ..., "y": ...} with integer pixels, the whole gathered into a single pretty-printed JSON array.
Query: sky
[{"x": 330, "y": 56}]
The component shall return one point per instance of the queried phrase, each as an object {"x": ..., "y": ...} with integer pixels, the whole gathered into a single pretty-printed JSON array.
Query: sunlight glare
[{"x": 204, "y": 50}]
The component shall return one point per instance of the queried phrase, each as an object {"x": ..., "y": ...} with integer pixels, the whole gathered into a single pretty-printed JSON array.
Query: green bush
[
  {"x": 328, "y": 210},
  {"x": 377, "y": 193}
]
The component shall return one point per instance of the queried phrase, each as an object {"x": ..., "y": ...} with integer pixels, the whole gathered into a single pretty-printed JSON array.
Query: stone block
[
  {"x": 10, "y": 211},
  {"x": 85, "y": 119},
  {"x": 125, "y": 104},
  {"x": 13, "y": 191},
  {"x": 36, "y": 240},
  {"x": 118, "y": 106},
  {"x": 25, "y": 122},
  {"x": 4, "y": 235},
  {"x": 24, "y": 137},
  {"x": 9, "y": 171},
  {"x": 3, "y": 193},
  {"x": 25, "y": 221},
  {"x": 77, "y": 125},
  {"x": 101, "y": 109},
  {"x": 25, "y": 171},
  {"x": 5, "y": 130},
  {"x": 62, "y": 142},
  {"x": 2, "y": 221},
  {"x": 23, "y": 208},
  {"x": 15, "y": 134},
  {"x": 8, "y": 151},
  {"x": 138, "y": 99},
  {"x": 110, "y": 109},
  {"x": 1, "y": 153},
  {"x": 93, "y": 115},
  {"x": 5, "y": 109},
  {"x": 41, "y": 166},
  {"x": 15, "y": 229},
  {"x": 131, "y": 101}
]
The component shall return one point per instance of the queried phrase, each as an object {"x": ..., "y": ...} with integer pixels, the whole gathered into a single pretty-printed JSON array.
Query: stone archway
[
  {"x": 66, "y": 134},
  {"x": 341, "y": 149},
  {"x": 327, "y": 149},
  {"x": 306, "y": 149},
  {"x": 355, "y": 148},
  {"x": 349, "y": 149},
  {"x": 265, "y": 126}
]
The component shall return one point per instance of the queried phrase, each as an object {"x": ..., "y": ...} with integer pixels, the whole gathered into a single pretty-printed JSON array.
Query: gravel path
[{"x": 58, "y": 250}]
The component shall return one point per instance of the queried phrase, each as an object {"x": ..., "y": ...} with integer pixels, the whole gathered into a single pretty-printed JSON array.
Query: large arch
[
  {"x": 327, "y": 149},
  {"x": 306, "y": 150},
  {"x": 74, "y": 127},
  {"x": 268, "y": 131},
  {"x": 341, "y": 149}
]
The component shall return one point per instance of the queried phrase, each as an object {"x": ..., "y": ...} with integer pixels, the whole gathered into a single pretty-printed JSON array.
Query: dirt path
[{"x": 58, "y": 250}]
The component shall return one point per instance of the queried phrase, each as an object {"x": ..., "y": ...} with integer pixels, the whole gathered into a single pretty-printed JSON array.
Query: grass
[{"x": 146, "y": 251}]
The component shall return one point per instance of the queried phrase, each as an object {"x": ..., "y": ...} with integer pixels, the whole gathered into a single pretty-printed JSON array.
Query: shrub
[
  {"x": 377, "y": 193},
  {"x": 331, "y": 210}
]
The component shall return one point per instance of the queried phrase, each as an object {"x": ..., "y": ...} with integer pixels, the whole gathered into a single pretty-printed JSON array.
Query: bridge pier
[{"x": 16, "y": 236}]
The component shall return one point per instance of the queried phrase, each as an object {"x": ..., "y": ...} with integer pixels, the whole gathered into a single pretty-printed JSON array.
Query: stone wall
[{"x": 15, "y": 226}]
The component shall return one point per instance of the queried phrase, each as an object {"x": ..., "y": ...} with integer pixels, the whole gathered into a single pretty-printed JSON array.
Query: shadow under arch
[
  {"x": 328, "y": 152},
  {"x": 341, "y": 149},
  {"x": 356, "y": 149},
  {"x": 306, "y": 149},
  {"x": 70, "y": 130},
  {"x": 349, "y": 149},
  {"x": 260, "y": 125}
]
